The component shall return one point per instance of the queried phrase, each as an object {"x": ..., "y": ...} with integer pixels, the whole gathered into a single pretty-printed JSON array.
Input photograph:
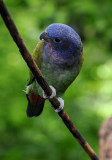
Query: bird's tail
[{"x": 35, "y": 105}]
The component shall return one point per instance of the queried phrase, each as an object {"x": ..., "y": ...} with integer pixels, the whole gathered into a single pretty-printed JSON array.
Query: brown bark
[{"x": 105, "y": 140}]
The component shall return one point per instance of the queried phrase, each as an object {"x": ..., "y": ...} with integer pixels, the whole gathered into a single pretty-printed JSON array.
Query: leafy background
[{"x": 88, "y": 101}]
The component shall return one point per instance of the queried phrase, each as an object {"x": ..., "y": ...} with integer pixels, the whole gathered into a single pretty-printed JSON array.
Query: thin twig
[{"x": 40, "y": 79}]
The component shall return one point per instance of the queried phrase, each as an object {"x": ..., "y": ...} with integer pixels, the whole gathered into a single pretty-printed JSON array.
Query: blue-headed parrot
[{"x": 59, "y": 56}]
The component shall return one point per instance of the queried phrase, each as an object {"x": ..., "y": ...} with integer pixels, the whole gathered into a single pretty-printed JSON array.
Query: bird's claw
[
  {"x": 61, "y": 105},
  {"x": 52, "y": 95}
]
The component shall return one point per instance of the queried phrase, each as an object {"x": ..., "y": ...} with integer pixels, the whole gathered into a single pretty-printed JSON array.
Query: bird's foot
[
  {"x": 52, "y": 95},
  {"x": 61, "y": 105}
]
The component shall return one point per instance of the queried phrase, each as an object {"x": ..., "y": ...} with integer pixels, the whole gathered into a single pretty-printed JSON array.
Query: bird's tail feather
[{"x": 35, "y": 105}]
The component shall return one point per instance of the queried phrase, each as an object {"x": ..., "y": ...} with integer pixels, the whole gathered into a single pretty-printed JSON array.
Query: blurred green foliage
[{"x": 88, "y": 100}]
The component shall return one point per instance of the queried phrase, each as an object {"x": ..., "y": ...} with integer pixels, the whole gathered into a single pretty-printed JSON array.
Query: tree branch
[
  {"x": 105, "y": 140},
  {"x": 40, "y": 79}
]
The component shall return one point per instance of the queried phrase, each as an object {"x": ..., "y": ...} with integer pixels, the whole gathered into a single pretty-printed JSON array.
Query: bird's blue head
[{"x": 62, "y": 44}]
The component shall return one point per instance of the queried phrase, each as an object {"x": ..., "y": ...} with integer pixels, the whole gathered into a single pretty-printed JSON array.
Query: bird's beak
[{"x": 44, "y": 36}]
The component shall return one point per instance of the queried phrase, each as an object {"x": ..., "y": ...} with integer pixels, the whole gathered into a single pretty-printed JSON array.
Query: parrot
[{"x": 59, "y": 56}]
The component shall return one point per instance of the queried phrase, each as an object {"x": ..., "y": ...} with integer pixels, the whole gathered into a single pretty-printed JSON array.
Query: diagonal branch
[{"x": 40, "y": 79}]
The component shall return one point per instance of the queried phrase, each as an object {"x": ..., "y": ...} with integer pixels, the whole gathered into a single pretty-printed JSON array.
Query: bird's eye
[{"x": 57, "y": 40}]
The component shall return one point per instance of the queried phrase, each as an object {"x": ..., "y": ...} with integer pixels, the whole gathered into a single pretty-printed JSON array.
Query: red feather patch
[{"x": 35, "y": 99}]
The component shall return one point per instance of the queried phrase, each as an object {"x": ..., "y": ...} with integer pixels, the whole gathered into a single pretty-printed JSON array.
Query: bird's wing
[{"x": 37, "y": 56}]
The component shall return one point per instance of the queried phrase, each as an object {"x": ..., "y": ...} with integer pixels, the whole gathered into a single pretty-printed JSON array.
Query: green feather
[{"x": 37, "y": 56}]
